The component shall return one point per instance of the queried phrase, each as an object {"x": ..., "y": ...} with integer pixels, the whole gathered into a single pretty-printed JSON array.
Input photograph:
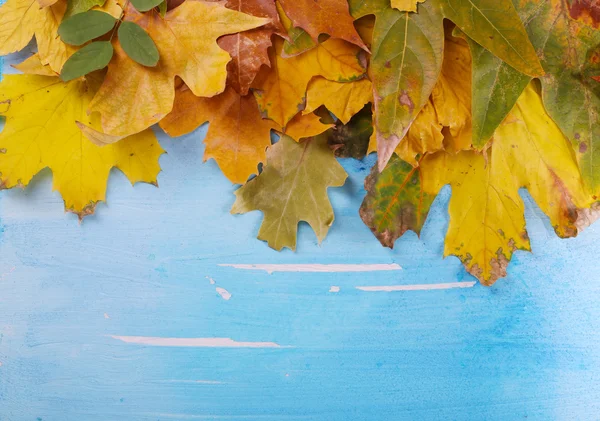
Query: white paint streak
[
  {"x": 316, "y": 267},
  {"x": 211, "y": 280},
  {"x": 334, "y": 289},
  {"x": 195, "y": 381},
  {"x": 223, "y": 293},
  {"x": 106, "y": 316},
  {"x": 417, "y": 287},
  {"x": 194, "y": 342}
]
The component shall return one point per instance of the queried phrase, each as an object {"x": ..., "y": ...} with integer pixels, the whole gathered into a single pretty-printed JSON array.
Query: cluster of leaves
[{"x": 488, "y": 96}]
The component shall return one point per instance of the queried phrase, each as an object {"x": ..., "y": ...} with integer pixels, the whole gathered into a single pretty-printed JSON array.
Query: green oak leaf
[{"x": 292, "y": 188}]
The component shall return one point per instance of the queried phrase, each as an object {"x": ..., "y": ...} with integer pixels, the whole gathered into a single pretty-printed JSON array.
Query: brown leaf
[
  {"x": 237, "y": 136},
  {"x": 323, "y": 17},
  {"x": 248, "y": 49}
]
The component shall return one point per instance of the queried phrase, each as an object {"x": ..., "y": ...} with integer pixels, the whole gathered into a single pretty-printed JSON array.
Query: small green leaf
[
  {"x": 137, "y": 44},
  {"x": 94, "y": 56},
  {"x": 145, "y": 5},
  {"x": 162, "y": 8},
  {"x": 84, "y": 27},
  {"x": 78, "y": 6}
]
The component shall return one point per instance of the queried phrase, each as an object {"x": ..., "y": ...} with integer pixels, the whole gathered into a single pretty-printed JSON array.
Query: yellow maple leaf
[
  {"x": 486, "y": 211},
  {"x": 237, "y": 137},
  {"x": 41, "y": 132},
  {"x": 281, "y": 92},
  {"x": 133, "y": 97},
  {"x": 406, "y": 5},
  {"x": 342, "y": 99}
]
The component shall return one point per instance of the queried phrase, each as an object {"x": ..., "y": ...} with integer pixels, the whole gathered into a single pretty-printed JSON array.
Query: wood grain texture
[{"x": 149, "y": 265}]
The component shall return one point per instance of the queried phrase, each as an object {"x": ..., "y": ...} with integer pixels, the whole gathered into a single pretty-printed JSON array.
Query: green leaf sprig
[{"x": 81, "y": 28}]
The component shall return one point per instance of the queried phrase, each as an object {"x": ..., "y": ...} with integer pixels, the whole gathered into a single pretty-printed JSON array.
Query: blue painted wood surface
[{"x": 526, "y": 348}]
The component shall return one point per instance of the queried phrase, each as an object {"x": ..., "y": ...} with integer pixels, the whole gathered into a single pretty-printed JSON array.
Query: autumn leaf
[
  {"x": 407, "y": 57},
  {"x": 281, "y": 93},
  {"x": 486, "y": 211},
  {"x": 298, "y": 40},
  {"x": 33, "y": 66},
  {"x": 22, "y": 19},
  {"x": 495, "y": 90},
  {"x": 79, "y": 6},
  {"x": 406, "y": 5},
  {"x": 237, "y": 136},
  {"x": 248, "y": 49},
  {"x": 408, "y": 49},
  {"x": 424, "y": 136},
  {"x": 292, "y": 188},
  {"x": 146, "y": 94},
  {"x": 342, "y": 99},
  {"x": 304, "y": 125},
  {"x": 567, "y": 36},
  {"x": 46, "y": 3},
  {"x": 451, "y": 95},
  {"x": 496, "y": 26},
  {"x": 395, "y": 201},
  {"x": 449, "y": 106},
  {"x": 80, "y": 169},
  {"x": 329, "y": 17}
]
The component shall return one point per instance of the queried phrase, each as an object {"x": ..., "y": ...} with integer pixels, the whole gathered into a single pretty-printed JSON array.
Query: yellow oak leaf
[
  {"x": 292, "y": 188},
  {"x": 281, "y": 93},
  {"x": 237, "y": 136},
  {"x": 342, "y": 99},
  {"x": 486, "y": 211},
  {"x": 406, "y": 5},
  {"x": 305, "y": 125},
  {"x": 41, "y": 132},
  {"x": 145, "y": 94}
]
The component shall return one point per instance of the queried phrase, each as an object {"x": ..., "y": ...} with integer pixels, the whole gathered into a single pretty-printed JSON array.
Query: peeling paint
[
  {"x": 315, "y": 267},
  {"x": 193, "y": 342},
  {"x": 417, "y": 287},
  {"x": 223, "y": 293}
]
